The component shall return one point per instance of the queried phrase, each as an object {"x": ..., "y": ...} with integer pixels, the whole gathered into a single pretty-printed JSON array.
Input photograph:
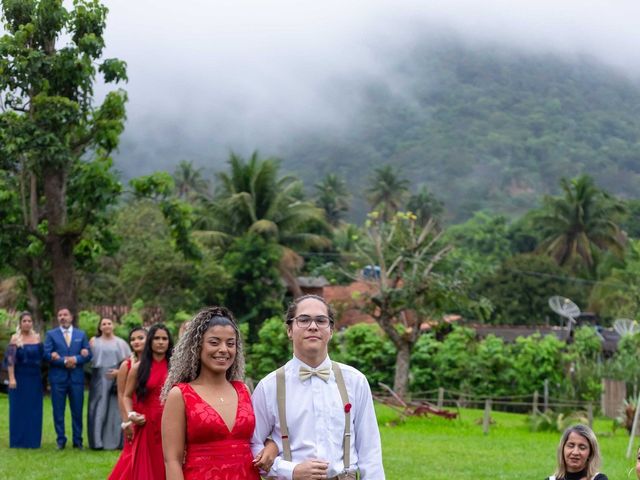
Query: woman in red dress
[
  {"x": 208, "y": 418},
  {"x": 142, "y": 402},
  {"x": 122, "y": 469}
]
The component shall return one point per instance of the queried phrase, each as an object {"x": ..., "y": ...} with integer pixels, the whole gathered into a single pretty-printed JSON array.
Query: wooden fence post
[
  {"x": 535, "y": 402},
  {"x": 440, "y": 397},
  {"x": 546, "y": 395},
  {"x": 486, "y": 420},
  {"x": 590, "y": 414}
]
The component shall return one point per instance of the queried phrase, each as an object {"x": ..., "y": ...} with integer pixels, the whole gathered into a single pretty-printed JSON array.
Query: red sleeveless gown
[
  {"x": 212, "y": 451},
  {"x": 122, "y": 469},
  {"x": 147, "y": 457}
]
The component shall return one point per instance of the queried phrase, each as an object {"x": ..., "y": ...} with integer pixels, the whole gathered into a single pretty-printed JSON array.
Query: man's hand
[
  {"x": 311, "y": 470},
  {"x": 84, "y": 352},
  {"x": 70, "y": 362},
  {"x": 55, "y": 356},
  {"x": 12, "y": 384}
]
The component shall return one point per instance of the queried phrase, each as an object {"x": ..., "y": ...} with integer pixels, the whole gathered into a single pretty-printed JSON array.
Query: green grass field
[{"x": 420, "y": 448}]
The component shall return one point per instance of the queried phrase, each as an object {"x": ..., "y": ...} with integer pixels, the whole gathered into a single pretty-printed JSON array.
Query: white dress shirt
[{"x": 315, "y": 417}]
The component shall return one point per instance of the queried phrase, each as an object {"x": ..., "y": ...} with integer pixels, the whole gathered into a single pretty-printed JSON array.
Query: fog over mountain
[{"x": 210, "y": 77}]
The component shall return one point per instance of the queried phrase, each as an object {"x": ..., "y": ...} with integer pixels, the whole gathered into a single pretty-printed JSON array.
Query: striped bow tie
[{"x": 322, "y": 373}]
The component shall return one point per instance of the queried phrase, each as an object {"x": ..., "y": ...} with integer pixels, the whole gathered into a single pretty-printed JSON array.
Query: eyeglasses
[{"x": 304, "y": 321}]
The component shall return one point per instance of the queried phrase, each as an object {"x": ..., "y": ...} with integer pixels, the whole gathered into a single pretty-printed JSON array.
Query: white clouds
[{"x": 246, "y": 74}]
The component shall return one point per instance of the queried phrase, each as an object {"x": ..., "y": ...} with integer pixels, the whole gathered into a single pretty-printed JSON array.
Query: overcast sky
[{"x": 246, "y": 74}]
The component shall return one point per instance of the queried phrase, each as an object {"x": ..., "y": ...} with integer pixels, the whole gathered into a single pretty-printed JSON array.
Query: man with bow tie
[
  {"x": 320, "y": 413},
  {"x": 67, "y": 349}
]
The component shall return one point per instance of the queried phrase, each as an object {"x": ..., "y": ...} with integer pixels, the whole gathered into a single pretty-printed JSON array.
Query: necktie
[
  {"x": 67, "y": 338},
  {"x": 322, "y": 373}
]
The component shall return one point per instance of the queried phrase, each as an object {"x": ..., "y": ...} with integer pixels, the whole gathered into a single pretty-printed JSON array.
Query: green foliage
[
  {"x": 625, "y": 365},
  {"x": 453, "y": 361},
  {"x": 551, "y": 421},
  {"x": 178, "y": 214},
  {"x": 131, "y": 319},
  {"x": 252, "y": 197},
  {"x": 88, "y": 321},
  {"x": 55, "y": 144},
  {"x": 631, "y": 224},
  {"x": 255, "y": 291},
  {"x": 582, "y": 223},
  {"x": 520, "y": 288},
  {"x": 493, "y": 373},
  {"x": 333, "y": 197},
  {"x": 618, "y": 295},
  {"x": 147, "y": 266},
  {"x": 366, "y": 347},
  {"x": 423, "y": 374},
  {"x": 425, "y": 205},
  {"x": 271, "y": 350},
  {"x": 585, "y": 367},
  {"x": 386, "y": 191},
  {"x": 486, "y": 128},
  {"x": 538, "y": 359}
]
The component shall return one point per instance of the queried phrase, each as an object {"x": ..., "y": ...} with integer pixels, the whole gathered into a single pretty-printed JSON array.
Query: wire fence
[{"x": 527, "y": 403}]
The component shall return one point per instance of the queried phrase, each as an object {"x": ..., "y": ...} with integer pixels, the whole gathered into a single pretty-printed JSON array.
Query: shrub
[
  {"x": 271, "y": 351},
  {"x": 366, "y": 347}
]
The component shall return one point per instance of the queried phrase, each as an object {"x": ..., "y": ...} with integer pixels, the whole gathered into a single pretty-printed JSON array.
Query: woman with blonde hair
[
  {"x": 208, "y": 419},
  {"x": 578, "y": 455},
  {"x": 24, "y": 359}
]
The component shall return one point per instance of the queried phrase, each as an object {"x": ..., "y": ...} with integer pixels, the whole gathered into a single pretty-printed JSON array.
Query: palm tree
[
  {"x": 251, "y": 197},
  {"x": 582, "y": 222},
  {"x": 190, "y": 184},
  {"x": 386, "y": 191},
  {"x": 425, "y": 206},
  {"x": 333, "y": 198}
]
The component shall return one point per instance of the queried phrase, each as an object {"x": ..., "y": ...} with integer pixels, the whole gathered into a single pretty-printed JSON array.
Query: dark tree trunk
[
  {"x": 60, "y": 243},
  {"x": 403, "y": 358}
]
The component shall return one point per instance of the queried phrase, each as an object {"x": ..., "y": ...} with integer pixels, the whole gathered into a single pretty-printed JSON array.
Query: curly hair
[{"x": 185, "y": 363}]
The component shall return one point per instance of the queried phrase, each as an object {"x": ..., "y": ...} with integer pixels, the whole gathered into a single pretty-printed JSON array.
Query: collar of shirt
[
  {"x": 295, "y": 363},
  {"x": 69, "y": 329}
]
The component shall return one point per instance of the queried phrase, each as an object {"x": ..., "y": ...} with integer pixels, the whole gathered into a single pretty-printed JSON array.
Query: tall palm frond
[
  {"x": 333, "y": 197},
  {"x": 581, "y": 223},
  {"x": 386, "y": 191},
  {"x": 251, "y": 197}
]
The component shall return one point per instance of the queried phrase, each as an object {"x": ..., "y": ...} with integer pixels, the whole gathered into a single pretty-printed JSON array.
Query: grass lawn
[{"x": 420, "y": 448}]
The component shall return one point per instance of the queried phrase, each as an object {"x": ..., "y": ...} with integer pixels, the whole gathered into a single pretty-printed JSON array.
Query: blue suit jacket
[{"x": 54, "y": 342}]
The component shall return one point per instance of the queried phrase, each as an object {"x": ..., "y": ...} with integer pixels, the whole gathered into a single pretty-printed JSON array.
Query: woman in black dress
[{"x": 578, "y": 455}]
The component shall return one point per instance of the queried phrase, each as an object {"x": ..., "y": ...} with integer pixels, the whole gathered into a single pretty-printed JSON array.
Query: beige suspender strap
[
  {"x": 342, "y": 388},
  {"x": 281, "y": 395}
]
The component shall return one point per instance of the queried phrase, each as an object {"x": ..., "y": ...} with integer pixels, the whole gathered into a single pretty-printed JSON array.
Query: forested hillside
[{"x": 485, "y": 129}]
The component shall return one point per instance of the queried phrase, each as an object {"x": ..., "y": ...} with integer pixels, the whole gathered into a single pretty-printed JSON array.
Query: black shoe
[
  {"x": 79, "y": 447},
  {"x": 60, "y": 446}
]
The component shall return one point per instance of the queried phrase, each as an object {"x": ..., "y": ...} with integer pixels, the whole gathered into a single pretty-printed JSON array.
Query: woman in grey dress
[{"x": 103, "y": 416}]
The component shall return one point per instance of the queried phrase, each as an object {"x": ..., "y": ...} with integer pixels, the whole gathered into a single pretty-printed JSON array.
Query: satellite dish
[
  {"x": 625, "y": 326},
  {"x": 565, "y": 308}
]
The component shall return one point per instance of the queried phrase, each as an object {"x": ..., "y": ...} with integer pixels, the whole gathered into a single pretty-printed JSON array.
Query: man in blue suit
[{"x": 67, "y": 350}]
